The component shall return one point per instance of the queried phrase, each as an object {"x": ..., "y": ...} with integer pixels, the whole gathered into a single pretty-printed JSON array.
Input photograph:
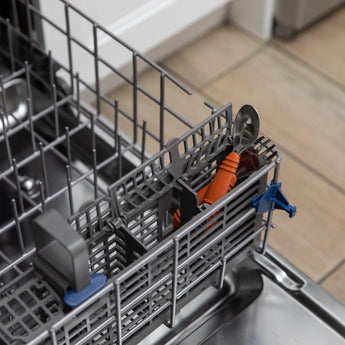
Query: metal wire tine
[
  {"x": 56, "y": 114},
  {"x": 135, "y": 96},
  {"x": 95, "y": 173},
  {"x": 174, "y": 283},
  {"x": 78, "y": 96},
  {"x": 19, "y": 190},
  {"x": 116, "y": 122},
  {"x": 51, "y": 69},
  {"x": 161, "y": 110},
  {"x": 95, "y": 52},
  {"x": 88, "y": 222},
  {"x": 93, "y": 134},
  {"x": 31, "y": 124},
  {"x": 211, "y": 106},
  {"x": 7, "y": 143},
  {"x": 10, "y": 44},
  {"x": 28, "y": 79},
  {"x": 69, "y": 187},
  {"x": 99, "y": 215},
  {"x": 18, "y": 227},
  {"x": 143, "y": 142},
  {"x": 69, "y": 44},
  {"x": 68, "y": 147},
  {"x": 44, "y": 169},
  {"x": 119, "y": 155},
  {"x": 43, "y": 200},
  {"x": 3, "y": 96}
]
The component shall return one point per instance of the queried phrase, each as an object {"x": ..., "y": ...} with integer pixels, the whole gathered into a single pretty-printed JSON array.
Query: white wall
[
  {"x": 145, "y": 25},
  {"x": 142, "y": 24}
]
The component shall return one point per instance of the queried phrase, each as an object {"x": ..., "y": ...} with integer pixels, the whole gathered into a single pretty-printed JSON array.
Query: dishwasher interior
[{"x": 86, "y": 211}]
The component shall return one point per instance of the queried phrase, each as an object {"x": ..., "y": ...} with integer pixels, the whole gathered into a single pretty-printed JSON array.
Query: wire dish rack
[{"x": 152, "y": 270}]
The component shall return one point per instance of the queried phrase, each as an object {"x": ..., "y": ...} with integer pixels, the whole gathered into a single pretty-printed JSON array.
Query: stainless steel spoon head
[{"x": 246, "y": 128}]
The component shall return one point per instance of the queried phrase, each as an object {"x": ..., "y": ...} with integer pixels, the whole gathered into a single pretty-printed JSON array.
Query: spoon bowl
[{"x": 246, "y": 128}]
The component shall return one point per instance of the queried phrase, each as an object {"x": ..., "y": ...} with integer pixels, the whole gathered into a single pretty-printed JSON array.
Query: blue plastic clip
[
  {"x": 73, "y": 298},
  {"x": 273, "y": 199}
]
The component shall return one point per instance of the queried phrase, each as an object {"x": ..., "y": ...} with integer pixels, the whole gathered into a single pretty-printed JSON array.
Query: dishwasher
[{"x": 103, "y": 243}]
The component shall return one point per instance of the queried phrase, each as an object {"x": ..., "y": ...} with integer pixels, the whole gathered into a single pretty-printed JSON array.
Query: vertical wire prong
[
  {"x": 31, "y": 124},
  {"x": 7, "y": 143},
  {"x": 93, "y": 135},
  {"x": 161, "y": 110},
  {"x": 18, "y": 227},
  {"x": 19, "y": 190},
  {"x": 95, "y": 176},
  {"x": 96, "y": 66},
  {"x": 143, "y": 142},
  {"x": 43, "y": 200},
  {"x": 135, "y": 95},
  {"x": 56, "y": 113},
  {"x": 44, "y": 169},
  {"x": 119, "y": 155},
  {"x": 28, "y": 80},
  {"x": 69, "y": 186},
  {"x": 51, "y": 68},
  {"x": 116, "y": 121},
  {"x": 3, "y": 96},
  {"x": 78, "y": 96},
  {"x": 68, "y": 147}
]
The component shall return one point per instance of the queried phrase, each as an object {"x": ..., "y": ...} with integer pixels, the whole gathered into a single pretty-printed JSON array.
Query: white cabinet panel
[{"x": 142, "y": 24}]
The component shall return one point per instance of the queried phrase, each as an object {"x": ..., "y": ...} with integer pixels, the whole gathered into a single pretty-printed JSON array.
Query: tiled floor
[{"x": 299, "y": 89}]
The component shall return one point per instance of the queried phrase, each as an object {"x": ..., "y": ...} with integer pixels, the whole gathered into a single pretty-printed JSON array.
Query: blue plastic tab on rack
[
  {"x": 73, "y": 299},
  {"x": 273, "y": 199}
]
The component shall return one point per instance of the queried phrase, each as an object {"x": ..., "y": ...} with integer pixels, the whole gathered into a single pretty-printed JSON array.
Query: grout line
[
  {"x": 304, "y": 63},
  {"x": 331, "y": 271},
  {"x": 312, "y": 169},
  {"x": 282, "y": 148},
  {"x": 300, "y": 161},
  {"x": 234, "y": 66}
]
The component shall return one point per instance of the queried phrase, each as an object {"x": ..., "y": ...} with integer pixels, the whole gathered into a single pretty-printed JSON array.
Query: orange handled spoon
[{"x": 245, "y": 131}]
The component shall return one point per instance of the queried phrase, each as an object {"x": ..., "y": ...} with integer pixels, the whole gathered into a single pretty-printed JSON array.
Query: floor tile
[
  {"x": 314, "y": 240},
  {"x": 335, "y": 284},
  {"x": 322, "y": 45},
  {"x": 217, "y": 51},
  {"x": 299, "y": 109}
]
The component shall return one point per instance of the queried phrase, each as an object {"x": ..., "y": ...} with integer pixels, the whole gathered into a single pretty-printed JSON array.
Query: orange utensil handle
[
  {"x": 222, "y": 183},
  {"x": 177, "y": 215},
  {"x": 224, "y": 180}
]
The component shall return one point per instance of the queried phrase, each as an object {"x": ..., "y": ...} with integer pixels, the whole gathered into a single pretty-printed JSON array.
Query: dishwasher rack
[{"x": 152, "y": 270}]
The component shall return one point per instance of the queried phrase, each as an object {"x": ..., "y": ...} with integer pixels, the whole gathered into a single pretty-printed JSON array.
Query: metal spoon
[
  {"x": 245, "y": 132},
  {"x": 246, "y": 128}
]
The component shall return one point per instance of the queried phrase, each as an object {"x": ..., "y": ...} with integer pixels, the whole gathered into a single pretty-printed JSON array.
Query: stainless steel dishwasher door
[{"x": 276, "y": 305}]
